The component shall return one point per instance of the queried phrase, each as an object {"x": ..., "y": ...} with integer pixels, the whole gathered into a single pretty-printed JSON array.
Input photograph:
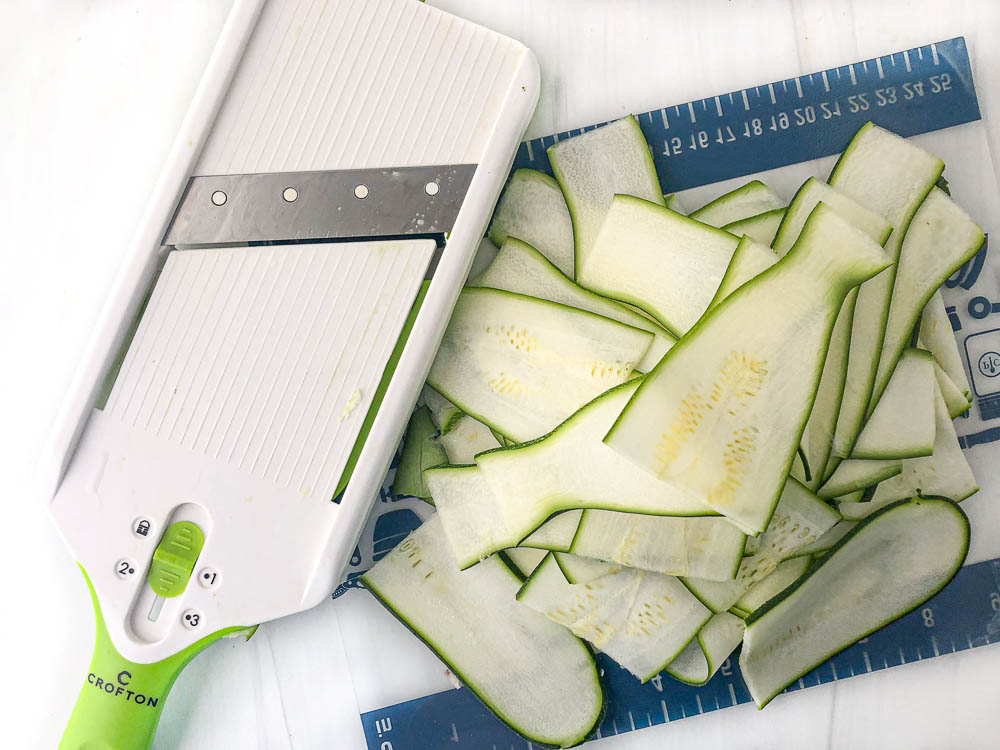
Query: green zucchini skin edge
[
  {"x": 512, "y": 570},
  {"x": 817, "y": 563}
]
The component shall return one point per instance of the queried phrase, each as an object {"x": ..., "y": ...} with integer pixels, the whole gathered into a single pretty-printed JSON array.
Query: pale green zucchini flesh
[
  {"x": 533, "y": 210},
  {"x": 786, "y": 572},
  {"x": 555, "y": 534},
  {"x": 748, "y": 200},
  {"x": 902, "y": 424},
  {"x": 761, "y": 227},
  {"x": 444, "y": 413},
  {"x": 800, "y": 519},
  {"x": 701, "y": 659},
  {"x": 525, "y": 559},
  {"x": 641, "y": 620},
  {"x": 708, "y": 547},
  {"x": 956, "y": 401},
  {"x": 858, "y": 473},
  {"x": 936, "y": 335},
  {"x": 520, "y": 268},
  {"x": 891, "y": 176},
  {"x": 535, "y": 675},
  {"x": 664, "y": 262},
  {"x": 940, "y": 239},
  {"x": 817, "y": 437},
  {"x": 826, "y": 541},
  {"x": 750, "y": 259},
  {"x": 944, "y": 473},
  {"x": 522, "y": 365},
  {"x": 593, "y": 167},
  {"x": 889, "y": 564},
  {"x": 722, "y": 414},
  {"x": 465, "y": 439},
  {"x": 421, "y": 450}
]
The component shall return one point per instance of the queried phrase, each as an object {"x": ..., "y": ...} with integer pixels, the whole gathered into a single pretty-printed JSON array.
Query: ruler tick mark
[
  {"x": 854, "y": 78},
  {"x": 732, "y": 693},
  {"x": 663, "y": 116},
  {"x": 878, "y": 66},
  {"x": 864, "y": 65},
  {"x": 770, "y": 90},
  {"x": 906, "y": 61},
  {"x": 826, "y": 81},
  {"x": 868, "y": 664},
  {"x": 902, "y": 658},
  {"x": 920, "y": 53},
  {"x": 718, "y": 106},
  {"x": 833, "y": 668},
  {"x": 691, "y": 112},
  {"x": 531, "y": 154},
  {"x": 746, "y": 103},
  {"x": 934, "y": 54},
  {"x": 798, "y": 87},
  {"x": 631, "y": 721},
  {"x": 935, "y": 646},
  {"x": 663, "y": 705},
  {"x": 697, "y": 699}
]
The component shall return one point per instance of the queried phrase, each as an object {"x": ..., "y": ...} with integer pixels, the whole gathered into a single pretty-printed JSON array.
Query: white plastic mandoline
[{"x": 245, "y": 384}]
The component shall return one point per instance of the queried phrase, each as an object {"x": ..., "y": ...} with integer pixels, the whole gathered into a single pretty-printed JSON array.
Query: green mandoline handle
[{"x": 120, "y": 702}]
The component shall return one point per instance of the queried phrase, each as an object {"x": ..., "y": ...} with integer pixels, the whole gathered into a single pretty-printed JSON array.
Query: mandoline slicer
[{"x": 270, "y": 328}]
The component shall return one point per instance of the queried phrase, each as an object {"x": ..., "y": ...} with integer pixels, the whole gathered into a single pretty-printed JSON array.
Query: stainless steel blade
[{"x": 336, "y": 204}]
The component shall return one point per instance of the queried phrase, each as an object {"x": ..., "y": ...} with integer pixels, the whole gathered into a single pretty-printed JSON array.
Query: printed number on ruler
[{"x": 798, "y": 119}]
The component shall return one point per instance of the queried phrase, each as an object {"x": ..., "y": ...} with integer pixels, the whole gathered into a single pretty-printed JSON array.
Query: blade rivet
[
  {"x": 432, "y": 188},
  {"x": 290, "y": 194},
  {"x": 219, "y": 198},
  {"x": 361, "y": 192}
]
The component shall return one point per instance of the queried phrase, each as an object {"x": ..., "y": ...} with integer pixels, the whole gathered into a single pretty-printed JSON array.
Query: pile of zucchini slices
[{"x": 664, "y": 435}]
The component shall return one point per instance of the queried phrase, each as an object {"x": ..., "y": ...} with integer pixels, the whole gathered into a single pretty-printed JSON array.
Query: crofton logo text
[{"x": 119, "y": 687}]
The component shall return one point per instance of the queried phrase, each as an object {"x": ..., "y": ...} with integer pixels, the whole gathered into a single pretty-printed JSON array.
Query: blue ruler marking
[
  {"x": 798, "y": 119},
  {"x": 752, "y": 130},
  {"x": 964, "y": 615}
]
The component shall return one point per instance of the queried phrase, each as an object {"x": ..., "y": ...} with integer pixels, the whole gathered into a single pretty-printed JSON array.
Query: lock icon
[{"x": 142, "y": 527}]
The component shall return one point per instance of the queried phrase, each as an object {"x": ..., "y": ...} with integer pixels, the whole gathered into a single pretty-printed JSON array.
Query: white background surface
[{"x": 92, "y": 94}]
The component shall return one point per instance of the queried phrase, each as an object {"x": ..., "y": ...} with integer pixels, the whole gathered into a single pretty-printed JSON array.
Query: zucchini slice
[
  {"x": 556, "y": 534},
  {"x": 421, "y": 450},
  {"x": 750, "y": 259},
  {"x": 944, "y": 473},
  {"x": 673, "y": 202},
  {"x": 533, "y": 210},
  {"x": 512, "y": 491},
  {"x": 786, "y": 572},
  {"x": 465, "y": 439},
  {"x": 889, "y": 564},
  {"x": 536, "y": 676},
  {"x": 522, "y": 269},
  {"x": 936, "y": 335},
  {"x": 701, "y": 659},
  {"x": 800, "y": 519},
  {"x": 817, "y": 437},
  {"x": 525, "y": 559},
  {"x": 827, "y": 540},
  {"x": 522, "y": 365},
  {"x": 902, "y": 424},
  {"x": 891, "y": 176},
  {"x": 761, "y": 227},
  {"x": 596, "y": 165},
  {"x": 954, "y": 398},
  {"x": 722, "y": 414},
  {"x": 710, "y": 548},
  {"x": 444, "y": 413},
  {"x": 641, "y": 620},
  {"x": 857, "y": 474},
  {"x": 666, "y": 263},
  {"x": 748, "y": 200},
  {"x": 941, "y": 238}
]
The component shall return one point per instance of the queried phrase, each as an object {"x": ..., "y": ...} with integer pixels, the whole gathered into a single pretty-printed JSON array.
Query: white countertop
[{"x": 93, "y": 95}]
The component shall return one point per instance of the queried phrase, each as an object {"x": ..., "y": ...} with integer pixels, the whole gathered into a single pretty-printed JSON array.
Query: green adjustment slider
[{"x": 174, "y": 558}]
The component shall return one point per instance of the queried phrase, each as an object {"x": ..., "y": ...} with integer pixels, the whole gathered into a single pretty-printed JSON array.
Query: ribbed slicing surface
[
  {"x": 342, "y": 84},
  {"x": 266, "y": 358}
]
